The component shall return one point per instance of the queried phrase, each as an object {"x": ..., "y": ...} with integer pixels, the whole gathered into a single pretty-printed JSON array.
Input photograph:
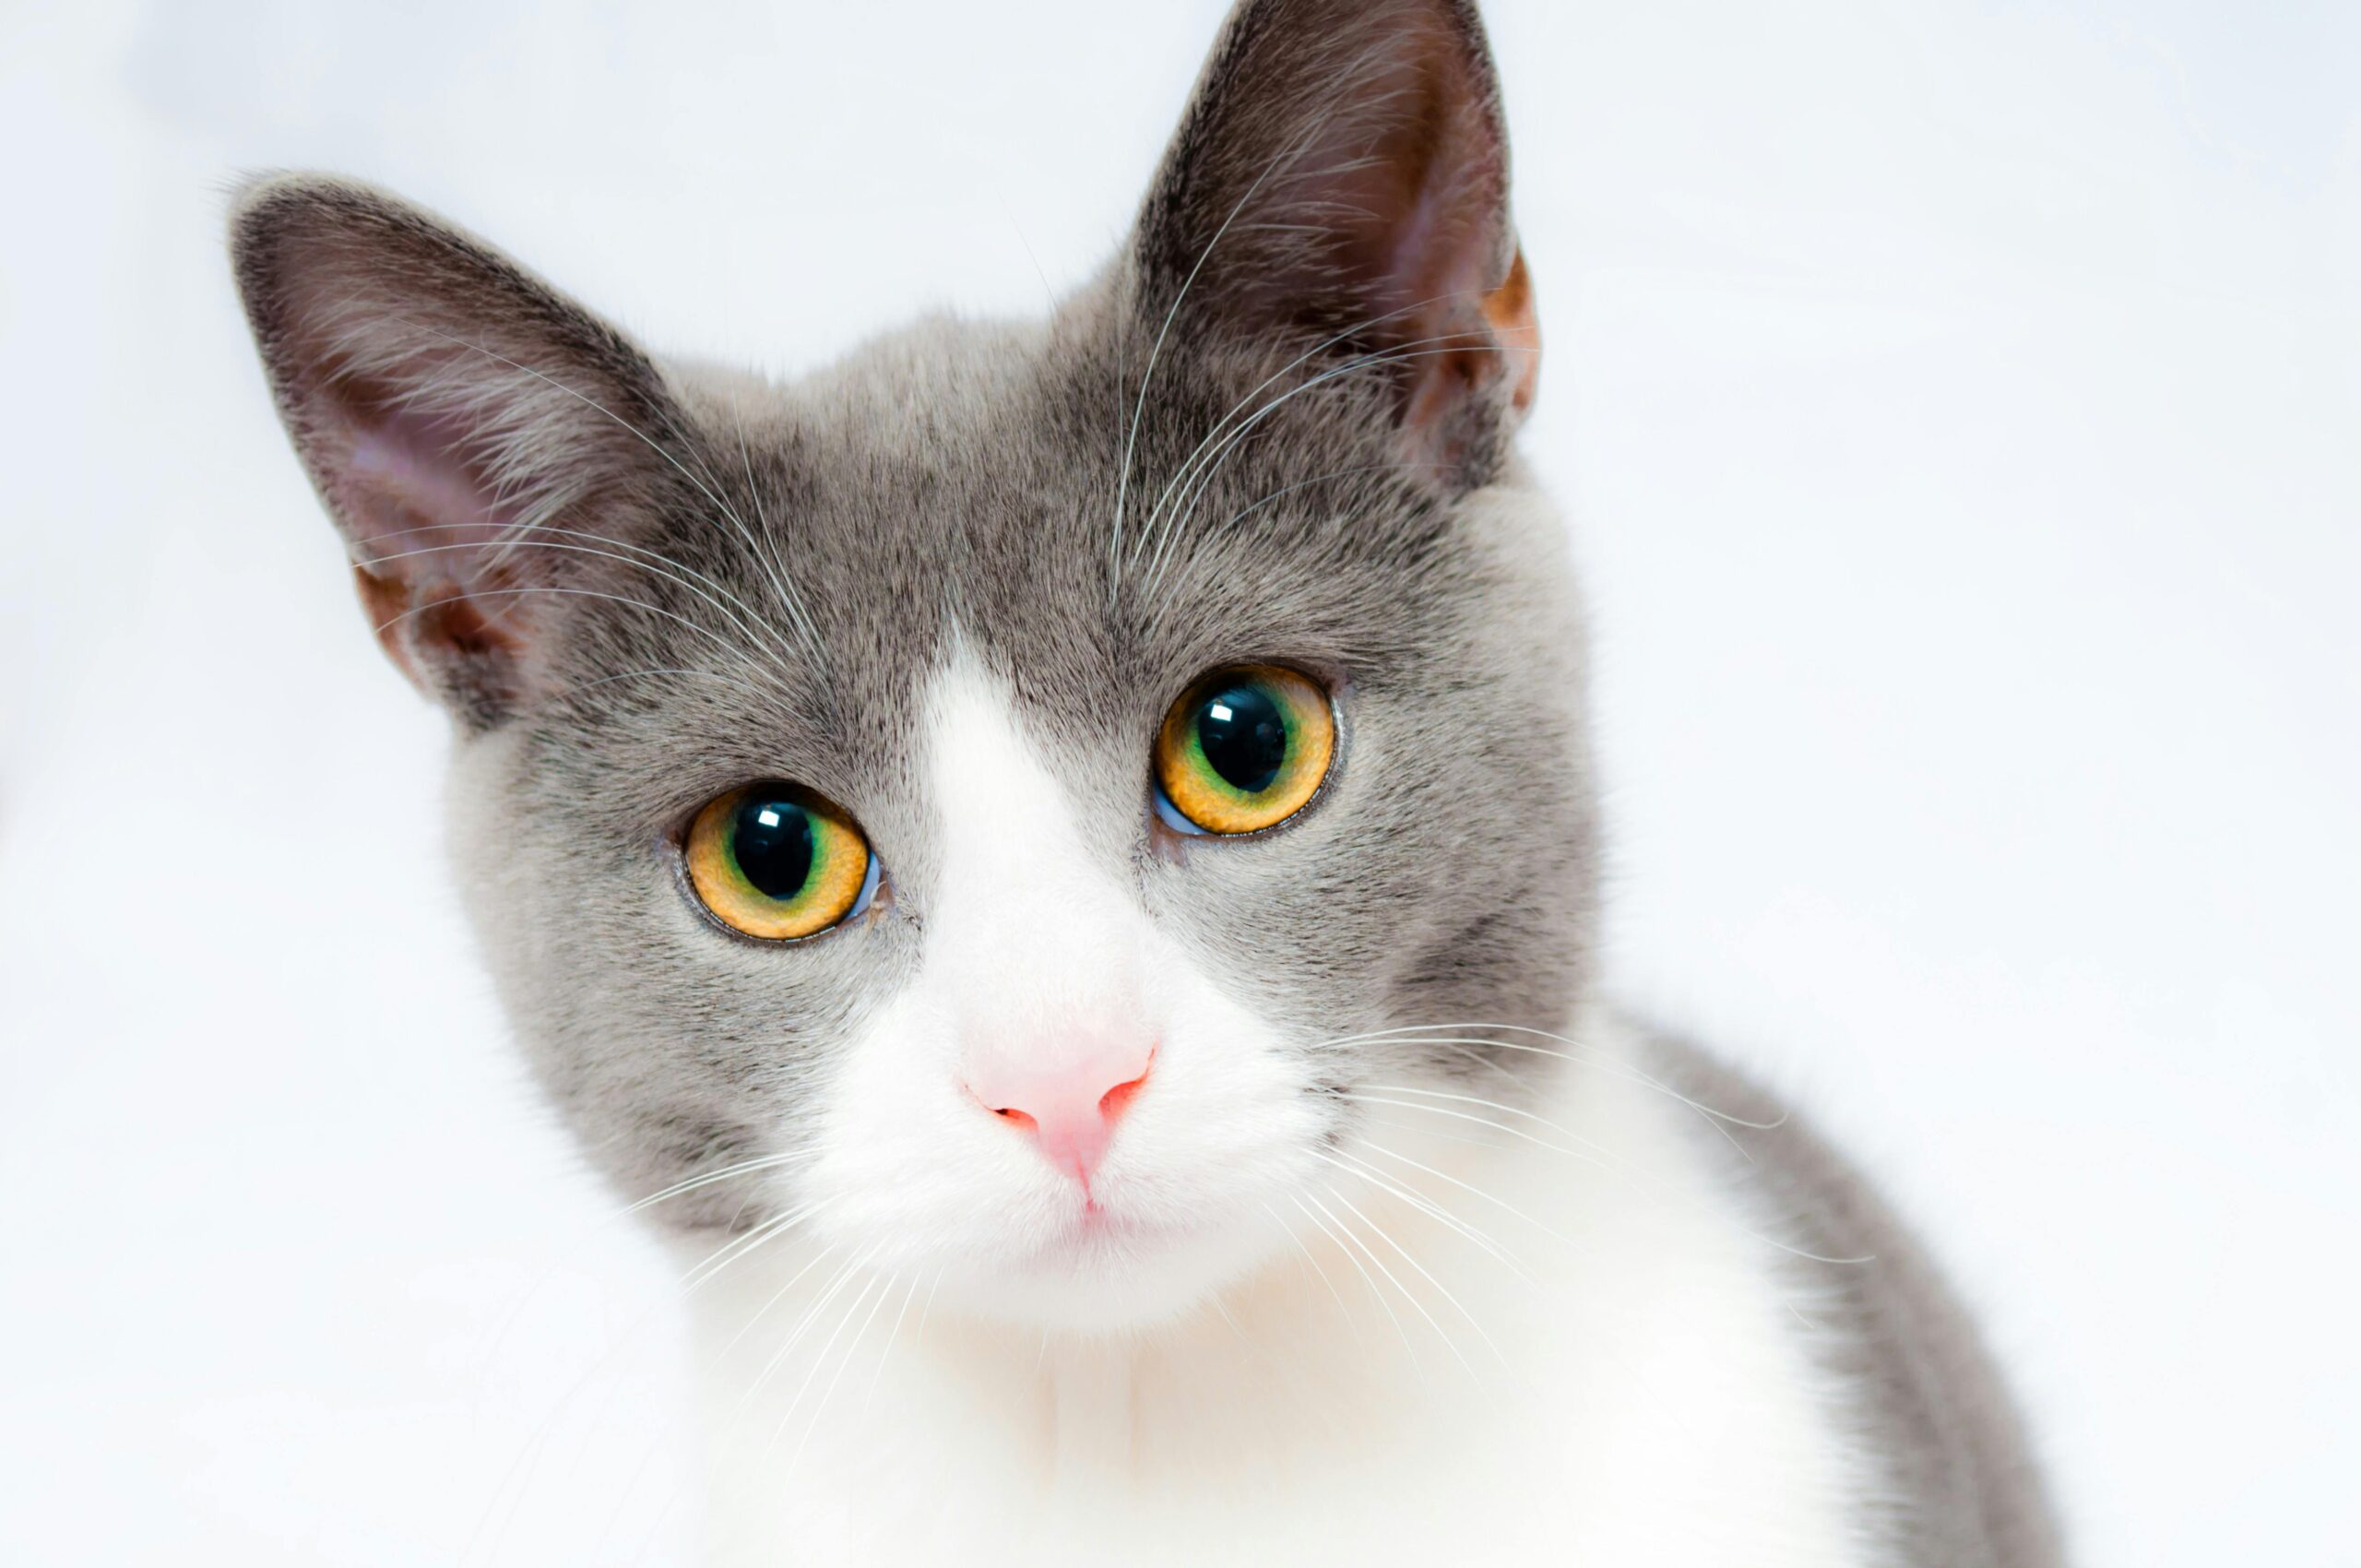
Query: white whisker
[
  {"x": 1370, "y": 1252},
  {"x": 1430, "y": 1208},
  {"x": 1367, "y": 1278},
  {"x": 1290, "y": 1232},
  {"x": 852, "y": 1346},
  {"x": 892, "y": 1337},
  {"x": 819, "y": 1360},
  {"x": 742, "y": 1168},
  {"x": 1385, "y": 1236}
]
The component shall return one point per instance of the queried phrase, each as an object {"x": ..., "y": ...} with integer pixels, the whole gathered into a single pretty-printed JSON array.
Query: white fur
[{"x": 938, "y": 1367}]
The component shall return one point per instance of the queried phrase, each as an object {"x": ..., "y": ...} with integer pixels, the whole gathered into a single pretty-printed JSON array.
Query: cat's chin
[{"x": 1106, "y": 1276}]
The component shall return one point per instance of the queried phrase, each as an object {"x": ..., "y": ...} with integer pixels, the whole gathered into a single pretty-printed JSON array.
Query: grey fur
[
  {"x": 803, "y": 558},
  {"x": 1958, "y": 1484}
]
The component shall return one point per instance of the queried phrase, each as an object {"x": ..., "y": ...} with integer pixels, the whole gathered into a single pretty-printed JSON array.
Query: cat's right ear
[{"x": 477, "y": 438}]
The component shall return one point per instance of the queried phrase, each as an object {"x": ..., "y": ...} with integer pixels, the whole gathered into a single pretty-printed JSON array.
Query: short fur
[{"x": 953, "y": 584}]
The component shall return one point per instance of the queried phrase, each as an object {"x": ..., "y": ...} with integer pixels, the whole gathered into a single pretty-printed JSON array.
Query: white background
[{"x": 1957, "y": 408}]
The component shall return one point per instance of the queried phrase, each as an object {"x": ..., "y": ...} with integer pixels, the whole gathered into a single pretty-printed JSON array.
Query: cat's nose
[{"x": 1067, "y": 1104}]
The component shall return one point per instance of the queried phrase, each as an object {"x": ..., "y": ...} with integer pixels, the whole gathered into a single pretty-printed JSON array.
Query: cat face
[{"x": 1006, "y": 805}]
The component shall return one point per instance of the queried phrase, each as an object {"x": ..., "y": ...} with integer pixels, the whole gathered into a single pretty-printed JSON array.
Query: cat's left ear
[{"x": 1338, "y": 193}]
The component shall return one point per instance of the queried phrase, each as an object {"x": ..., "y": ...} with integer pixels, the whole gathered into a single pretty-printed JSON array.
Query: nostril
[
  {"x": 1010, "y": 1113},
  {"x": 1112, "y": 1103}
]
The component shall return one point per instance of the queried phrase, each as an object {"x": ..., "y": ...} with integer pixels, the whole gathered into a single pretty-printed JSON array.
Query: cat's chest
[{"x": 1632, "y": 1391}]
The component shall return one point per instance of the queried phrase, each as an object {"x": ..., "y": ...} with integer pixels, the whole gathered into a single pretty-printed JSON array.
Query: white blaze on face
[
  {"x": 1042, "y": 958},
  {"x": 1061, "y": 1107}
]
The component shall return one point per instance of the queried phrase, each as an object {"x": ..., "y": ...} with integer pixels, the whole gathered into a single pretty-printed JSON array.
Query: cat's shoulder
[{"x": 1958, "y": 1480}]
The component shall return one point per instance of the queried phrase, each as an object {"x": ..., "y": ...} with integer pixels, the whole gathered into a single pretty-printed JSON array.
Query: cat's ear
[
  {"x": 475, "y": 435},
  {"x": 1339, "y": 187}
]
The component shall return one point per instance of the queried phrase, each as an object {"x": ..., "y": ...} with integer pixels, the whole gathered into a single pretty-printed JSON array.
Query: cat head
[{"x": 996, "y": 805}]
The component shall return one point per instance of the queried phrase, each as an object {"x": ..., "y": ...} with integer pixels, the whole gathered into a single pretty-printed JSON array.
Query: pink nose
[{"x": 1069, "y": 1105}]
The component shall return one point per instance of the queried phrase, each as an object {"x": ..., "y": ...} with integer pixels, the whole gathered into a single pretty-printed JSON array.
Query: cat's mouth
[
  {"x": 1095, "y": 1223},
  {"x": 1099, "y": 1235}
]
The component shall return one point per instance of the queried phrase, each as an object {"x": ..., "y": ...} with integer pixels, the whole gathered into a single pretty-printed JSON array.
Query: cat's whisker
[
  {"x": 1613, "y": 1172},
  {"x": 927, "y": 1311},
  {"x": 1593, "y": 1154},
  {"x": 892, "y": 1337},
  {"x": 1379, "y": 1264},
  {"x": 1533, "y": 1116},
  {"x": 820, "y": 1354},
  {"x": 1430, "y": 1133},
  {"x": 852, "y": 1348},
  {"x": 1375, "y": 1148},
  {"x": 721, "y": 1256},
  {"x": 739, "y": 1246},
  {"x": 1586, "y": 1156},
  {"x": 1467, "y": 1045},
  {"x": 742, "y": 1168},
  {"x": 819, "y": 1360},
  {"x": 1221, "y": 1310},
  {"x": 1609, "y": 1066},
  {"x": 1431, "y": 1209},
  {"x": 1471, "y": 1054},
  {"x": 819, "y": 1304},
  {"x": 1327, "y": 1229},
  {"x": 826, "y": 1251},
  {"x": 1309, "y": 1256},
  {"x": 1410, "y": 1258}
]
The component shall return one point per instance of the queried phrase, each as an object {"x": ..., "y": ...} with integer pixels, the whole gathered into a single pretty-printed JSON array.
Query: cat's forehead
[{"x": 1028, "y": 494}]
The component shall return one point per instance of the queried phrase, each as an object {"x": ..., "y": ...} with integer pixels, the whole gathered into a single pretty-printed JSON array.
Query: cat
[{"x": 1058, "y": 863}]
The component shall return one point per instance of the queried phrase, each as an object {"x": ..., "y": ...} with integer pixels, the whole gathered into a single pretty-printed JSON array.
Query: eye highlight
[
  {"x": 1245, "y": 748},
  {"x": 776, "y": 861}
]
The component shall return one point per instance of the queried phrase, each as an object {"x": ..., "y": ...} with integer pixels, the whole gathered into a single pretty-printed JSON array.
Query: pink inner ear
[
  {"x": 418, "y": 511},
  {"x": 425, "y": 527},
  {"x": 1407, "y": 170}
]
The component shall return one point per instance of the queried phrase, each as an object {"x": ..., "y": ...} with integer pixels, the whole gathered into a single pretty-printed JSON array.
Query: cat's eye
[
  {"x": 776, "y": 861},
  {"x": 1245, "y": 748}
]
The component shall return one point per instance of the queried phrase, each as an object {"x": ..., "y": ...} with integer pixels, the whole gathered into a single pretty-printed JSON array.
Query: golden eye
[
  {"x": 775, "y": 861},
  {"x": 1245, "y": 748}
]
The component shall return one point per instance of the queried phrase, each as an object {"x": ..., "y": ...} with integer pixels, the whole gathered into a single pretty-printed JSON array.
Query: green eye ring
[
  {"x": 1245, "y": 748},
  {"x": 777, "y": 863}
]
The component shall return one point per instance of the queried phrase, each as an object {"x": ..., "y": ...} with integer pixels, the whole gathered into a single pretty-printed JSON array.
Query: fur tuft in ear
[
  {"x": 474, "y": 435},
  {"x": 1340, "y": 184}
]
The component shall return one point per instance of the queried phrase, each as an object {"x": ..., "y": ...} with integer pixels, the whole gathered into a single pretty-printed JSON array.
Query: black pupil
[
  {"x": 1243, "y": 735},
  {"x": 772, "y": 840}
]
